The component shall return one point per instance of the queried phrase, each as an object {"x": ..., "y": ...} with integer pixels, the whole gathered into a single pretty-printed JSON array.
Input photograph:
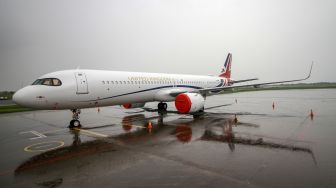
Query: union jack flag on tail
[{"x": 226, "y": 71}]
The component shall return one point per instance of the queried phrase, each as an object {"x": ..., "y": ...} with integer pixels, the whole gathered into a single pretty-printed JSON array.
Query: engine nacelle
[
  {"x": 189, "y": 102},
  {"x": 134, "y": 105}
]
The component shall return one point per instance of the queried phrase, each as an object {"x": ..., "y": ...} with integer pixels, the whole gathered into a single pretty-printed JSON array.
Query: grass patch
[{"x": 13, "y": 108}]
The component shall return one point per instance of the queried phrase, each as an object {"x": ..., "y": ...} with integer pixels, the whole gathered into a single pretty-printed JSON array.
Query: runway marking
[
  {"x": 91, "y": 132},
  {"x": 47, "y": 145},
  {"x": 58, "y": 130},
  {"x": 39, "y": 135},
  {"x": 142, "y": 127}
]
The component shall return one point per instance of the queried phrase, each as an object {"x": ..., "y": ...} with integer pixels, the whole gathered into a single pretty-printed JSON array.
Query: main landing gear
[
  {"x": 162, "y": 107},
  {"x": 75, "y": 118},
  {"x": 198, "y": 114}
]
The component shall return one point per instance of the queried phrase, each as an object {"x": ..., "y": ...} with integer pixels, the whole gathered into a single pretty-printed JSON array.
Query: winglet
[{"x": 311, "y": 68}]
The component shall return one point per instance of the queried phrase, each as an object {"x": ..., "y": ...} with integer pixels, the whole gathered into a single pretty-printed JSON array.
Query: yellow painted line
[
  {"x": 91, "y": 132},
  {"x": 142, "y": 127},
  {"x": 54, "y": 131},
  {"x": 37, "y": 147}
]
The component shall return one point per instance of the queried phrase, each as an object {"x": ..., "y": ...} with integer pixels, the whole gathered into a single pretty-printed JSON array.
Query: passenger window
[{"x": 103, "y": 82}]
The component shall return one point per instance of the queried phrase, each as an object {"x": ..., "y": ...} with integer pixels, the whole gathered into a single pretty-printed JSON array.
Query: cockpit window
[
  {"x": 56, "y": 82},
  {"x": 48, "y": 82},
  {"x": 38, "y": 82}
]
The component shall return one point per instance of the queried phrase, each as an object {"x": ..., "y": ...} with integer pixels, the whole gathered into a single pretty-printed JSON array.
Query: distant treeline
[{"x": 6, "y": 94}]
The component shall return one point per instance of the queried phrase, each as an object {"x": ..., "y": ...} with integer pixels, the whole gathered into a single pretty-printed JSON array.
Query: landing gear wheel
[
  {"x": 165, "y": 106},
  {"x": 162, "y": 107},
  {"x": 75, "y": 123},
  {"x": 75, "y": 116},
  {"x": 199, "y": 114}
]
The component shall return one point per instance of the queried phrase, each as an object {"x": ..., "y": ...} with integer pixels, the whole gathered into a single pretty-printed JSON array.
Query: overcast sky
[{"x": 269, "y": 39}]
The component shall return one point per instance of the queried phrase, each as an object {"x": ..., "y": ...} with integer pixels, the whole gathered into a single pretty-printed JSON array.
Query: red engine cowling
[
  {"x": 134, "y": 105},
  {"x": 189, "y": 102}
]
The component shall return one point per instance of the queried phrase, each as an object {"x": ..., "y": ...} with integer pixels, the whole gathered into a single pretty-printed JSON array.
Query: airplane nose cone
[
  {"x": 16, "y": 97},
  {"x": 19, "y": 97}
]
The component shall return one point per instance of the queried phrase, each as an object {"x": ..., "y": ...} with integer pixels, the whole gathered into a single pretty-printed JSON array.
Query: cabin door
[{"x": 82, "y": 84}]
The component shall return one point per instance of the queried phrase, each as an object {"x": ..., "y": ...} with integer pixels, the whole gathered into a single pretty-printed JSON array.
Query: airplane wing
[
  {"x": 239, "y": 81},
  {"x": 176, "y": 112},
  {"x": 255, "y": 85},
  {"x": 176, "y": 92}
]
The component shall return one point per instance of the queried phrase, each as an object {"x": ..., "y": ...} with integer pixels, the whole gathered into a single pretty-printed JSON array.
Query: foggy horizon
[{"x": 270, "y": 40}]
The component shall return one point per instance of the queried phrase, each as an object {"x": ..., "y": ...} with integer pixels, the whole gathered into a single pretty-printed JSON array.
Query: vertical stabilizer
[{"x": 226, "y": 71}]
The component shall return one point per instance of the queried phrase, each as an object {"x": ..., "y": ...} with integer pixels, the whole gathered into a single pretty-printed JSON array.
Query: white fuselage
[{"x": 92, "y": 88}]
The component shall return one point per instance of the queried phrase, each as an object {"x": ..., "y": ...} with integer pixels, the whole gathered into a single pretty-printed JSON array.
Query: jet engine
[
  {"x": 189, "y": 102},
  {"x": 134, "y": 105}
]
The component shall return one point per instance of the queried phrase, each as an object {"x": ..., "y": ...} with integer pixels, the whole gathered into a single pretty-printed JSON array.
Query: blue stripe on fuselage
[
  {"x": 221, "y": 83},
  {"x": 155, "y": 88}
]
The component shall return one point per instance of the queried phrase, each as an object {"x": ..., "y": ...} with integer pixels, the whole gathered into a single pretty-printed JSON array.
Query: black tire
[
  {"x": 74, "y": 123},
  {"x": 199, "y": 115},
  {"x": 164, "y": 106},
  {"x": 71, "y": 125},
  {"x": 160, "y": 106}
]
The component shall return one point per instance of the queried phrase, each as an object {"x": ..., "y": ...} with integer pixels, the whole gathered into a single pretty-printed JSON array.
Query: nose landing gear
[{"x": 75, "y": 118}]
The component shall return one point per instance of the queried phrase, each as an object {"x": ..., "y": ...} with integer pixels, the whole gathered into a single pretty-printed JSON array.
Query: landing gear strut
[
  {"x": 199, "y": 114},
  {"x": 162, "y": 107},
  {"x": 75, "y": 118}
]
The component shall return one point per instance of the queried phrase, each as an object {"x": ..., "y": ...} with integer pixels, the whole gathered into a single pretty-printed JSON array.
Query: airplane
[{"x": 83, "y": 88}]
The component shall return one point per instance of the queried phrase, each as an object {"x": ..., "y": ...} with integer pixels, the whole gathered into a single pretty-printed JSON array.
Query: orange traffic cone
[
  {"x": 311, "y": 114},
  {"x": 150, "y": 126}
]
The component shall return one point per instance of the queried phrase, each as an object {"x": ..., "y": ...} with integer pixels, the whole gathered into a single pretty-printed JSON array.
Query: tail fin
[{"x": 226, "y": 71}]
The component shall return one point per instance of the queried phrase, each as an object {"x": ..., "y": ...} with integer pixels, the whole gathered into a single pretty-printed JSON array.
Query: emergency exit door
[{"x": 82, "y": 85}]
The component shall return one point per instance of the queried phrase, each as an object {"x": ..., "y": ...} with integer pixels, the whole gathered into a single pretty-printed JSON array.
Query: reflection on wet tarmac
[
  {"x": 128, "y": 122},
  {"x": 181, "y": 129},
  {"x": 183, "y": 133},
  {"x": 263, "y": 148},
  {"x": 61, "y": 154},
  {"x": 232, "y": 138},
  {"x": 76, "y": 137}
]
